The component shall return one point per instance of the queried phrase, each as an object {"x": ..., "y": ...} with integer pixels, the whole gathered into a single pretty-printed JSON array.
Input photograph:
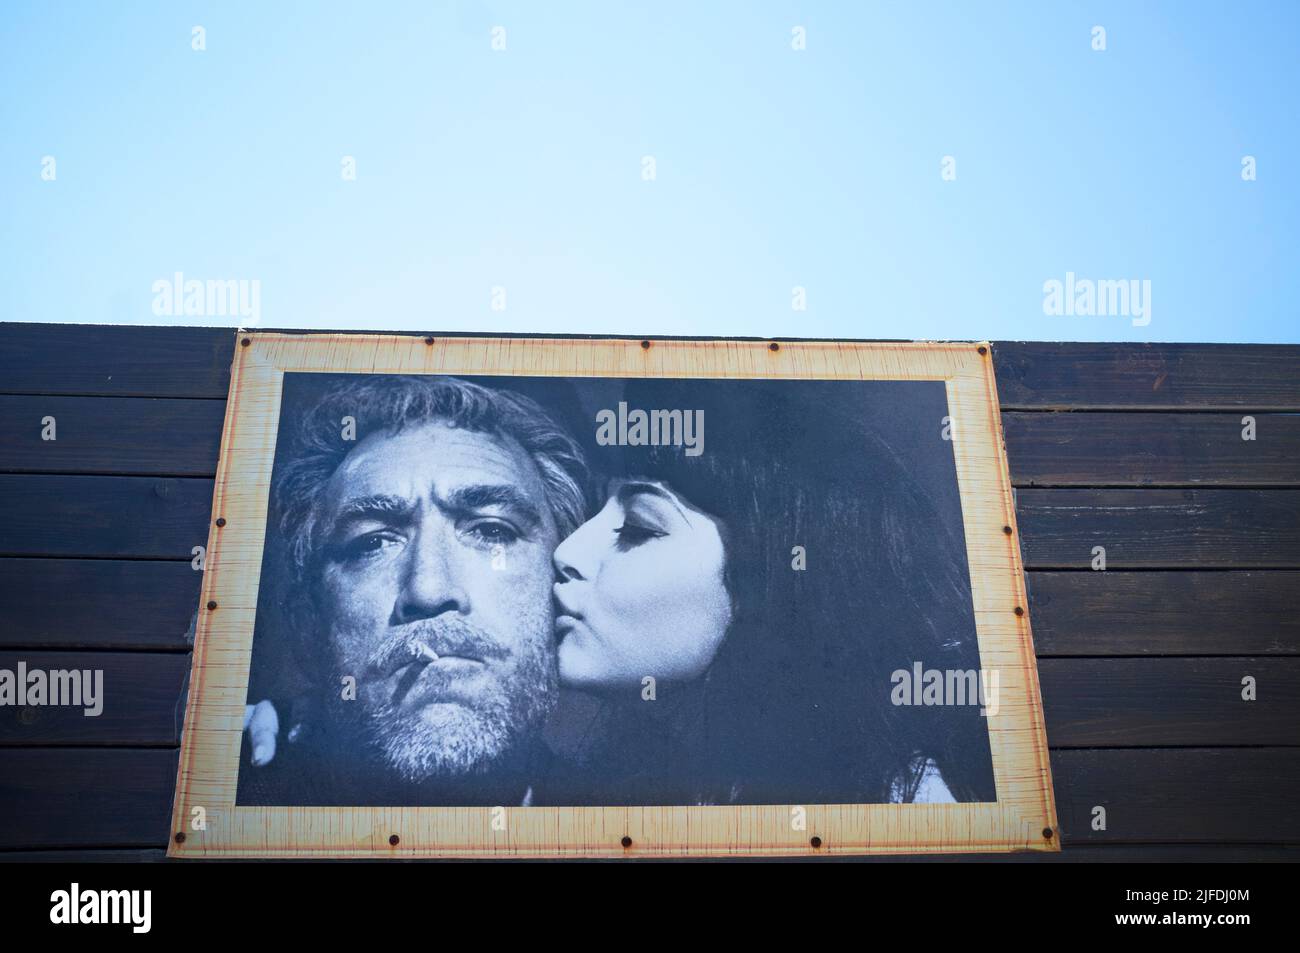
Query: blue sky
[{"x": 774, "y": 168}]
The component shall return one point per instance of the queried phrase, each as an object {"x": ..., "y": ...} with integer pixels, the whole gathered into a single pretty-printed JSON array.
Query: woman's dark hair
[{"x": 797, "y": 703}]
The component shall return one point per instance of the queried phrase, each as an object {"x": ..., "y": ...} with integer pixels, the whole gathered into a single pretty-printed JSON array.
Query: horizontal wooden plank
[
  {"x": 1179, "y": 795},
  {"x": 75, "y": 855},
  {"x": 86, "y": 797},
  {"x": 115, "y": 360},
  {"x": 1138, "y": 449},
  {"x": 1103, "y": 703},
  {"x": 141, "y": 702},
  {"x": 138, "y": 517},
  {"x": 1075, "y": 376},
  {"x": 1165, "y": 613},
  {"x": 110, "y": 435},
  {"x": 121, "y": 797},
  {"x": 97, "y": 603},
  {"x": 1160, "y": 529}
]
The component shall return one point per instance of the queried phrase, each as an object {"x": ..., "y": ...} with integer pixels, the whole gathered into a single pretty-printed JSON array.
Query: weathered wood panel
[
  {"x": 1180, "y": 795},
  {"x": 111, "y": 435},
  {"x": 1055, "y": 376},
  {"x": 1105, "y": 449},
  {"x": 1116, "y": 613},
  {"x": 1160, "y": 529},
  {"x": 86, "y": 797},
  {"x": 1200, "y": 803},
  {"x": 1099, "y": 703},
  {"x": 142, "y": 700},
  {"x": 138, "y": 517},
  {"x": 97, "y": 603},
  {"x": 115, "y": 361}
]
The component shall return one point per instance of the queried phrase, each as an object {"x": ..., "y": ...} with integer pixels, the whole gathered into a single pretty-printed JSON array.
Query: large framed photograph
[{"x": 531, "y": 597}]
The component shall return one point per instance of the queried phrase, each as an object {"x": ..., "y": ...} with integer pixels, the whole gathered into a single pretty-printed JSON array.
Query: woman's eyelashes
[
  {"x": 636, "y": 529},
  {"x": 630, "y": 534}
]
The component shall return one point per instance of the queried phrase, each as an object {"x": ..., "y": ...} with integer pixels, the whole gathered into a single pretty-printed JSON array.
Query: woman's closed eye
[{"x": 634, "y": 534}]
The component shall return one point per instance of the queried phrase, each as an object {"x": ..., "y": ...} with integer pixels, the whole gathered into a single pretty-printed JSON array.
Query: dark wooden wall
[{"x": 1136, "y": 448}]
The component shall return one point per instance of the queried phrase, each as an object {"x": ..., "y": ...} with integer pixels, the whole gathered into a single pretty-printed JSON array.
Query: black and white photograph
[{"x": 563, "y": 591}]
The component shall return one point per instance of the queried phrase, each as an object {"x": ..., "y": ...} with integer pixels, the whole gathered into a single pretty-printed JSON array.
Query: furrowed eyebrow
[
  {"x": 375, "y": 506},
  {"x": 482, "y": 496},
  {"x": 387, "y": 508}
]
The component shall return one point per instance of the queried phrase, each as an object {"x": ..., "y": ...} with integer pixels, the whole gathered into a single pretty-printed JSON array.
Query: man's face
[{"x": 436, "y": 595}]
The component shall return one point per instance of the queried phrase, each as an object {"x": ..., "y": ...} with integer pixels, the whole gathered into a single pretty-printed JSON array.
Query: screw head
[
  {"x": 645, "y": 345},
  {"x": 394, "y": 840},
  {"x": 982, "y": 349},
  {"x": 212, "y": 604},
  {"x": 180, "y": 837},
  {"x": 245, "y": 342},
  {"x": 816, "y": 842},
  {"x": 1007, "y": 530},
  {"x": 1020, "y": 610},
  {"x": 1047, "y": 833},
  {"x": 626, "y": 841},
  {"x": 221, "y": 521},
  {"x": 428, "y": 340},
  {"x": 774, "y": 346}
]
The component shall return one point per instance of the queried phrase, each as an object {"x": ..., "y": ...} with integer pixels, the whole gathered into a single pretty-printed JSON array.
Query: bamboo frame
[{"x": 1023, "y": 817}]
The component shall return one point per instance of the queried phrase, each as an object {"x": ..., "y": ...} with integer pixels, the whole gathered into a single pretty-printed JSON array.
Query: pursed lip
[{"x": 563, "y": 611}]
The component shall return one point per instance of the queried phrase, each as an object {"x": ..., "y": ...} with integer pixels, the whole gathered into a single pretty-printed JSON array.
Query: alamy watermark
[
  {"x": 654, "y": 428},
  {"x": 214, "y": 297},
  {"x": 1103, "y": 297},
  {"x": 933, "y": 686},
  {"x": 76, "y": 688},
  {"x": 77, "y": 906}
]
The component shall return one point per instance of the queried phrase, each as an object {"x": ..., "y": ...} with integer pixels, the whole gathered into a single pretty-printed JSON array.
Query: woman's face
[{"x": 640, "y": 592}]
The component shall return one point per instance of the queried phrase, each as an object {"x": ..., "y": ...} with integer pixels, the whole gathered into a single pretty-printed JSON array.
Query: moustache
[{"x": 429, "y": 640}]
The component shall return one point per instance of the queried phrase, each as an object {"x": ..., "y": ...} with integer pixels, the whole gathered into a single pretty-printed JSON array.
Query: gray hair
[{"x": 390, "y": 403}]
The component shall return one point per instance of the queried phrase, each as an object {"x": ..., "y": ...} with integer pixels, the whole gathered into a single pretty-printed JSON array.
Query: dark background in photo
[{"x": 828, "y": 437}]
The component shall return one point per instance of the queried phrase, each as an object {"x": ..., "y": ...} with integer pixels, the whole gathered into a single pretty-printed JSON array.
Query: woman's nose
[
  {"x": 571, "y": 558},
  {"x": 564, "y": 569}
]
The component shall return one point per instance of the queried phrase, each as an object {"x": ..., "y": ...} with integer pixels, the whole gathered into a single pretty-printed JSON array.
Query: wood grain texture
[
  {"x": 1165, "y": 804},
  {"x": 97, "y": 603},
  {"x": 142, "y": 701},
  {"x": 1180, "y": 795},
  {"x": 85, "y": 797},
  {"x": 1067, "y": 376},
  {"x": 1160, "y": 529},
  {"x": 1117, "y": 613},
  {"x": 1140, "y": 449},
  {"x": 137, "y": 517},
  {"x": 1110, "y": 703},
  {"x": 115, "y": 360},
  {"x": 111, "y": 435}
]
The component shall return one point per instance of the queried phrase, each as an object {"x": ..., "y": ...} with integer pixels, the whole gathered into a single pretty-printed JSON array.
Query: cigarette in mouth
[{"x": 426, "y": 653}]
